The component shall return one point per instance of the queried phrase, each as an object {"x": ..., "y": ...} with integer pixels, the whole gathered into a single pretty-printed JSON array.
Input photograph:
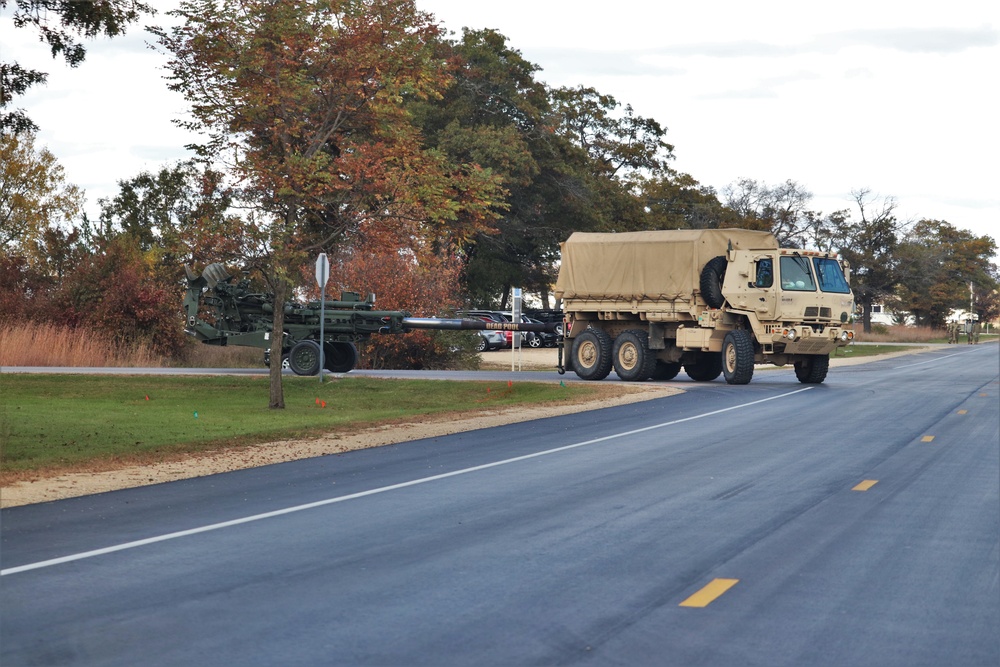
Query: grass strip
[
  {"x": 870, "y": 350},
  {"x": 53, "y": 421}
]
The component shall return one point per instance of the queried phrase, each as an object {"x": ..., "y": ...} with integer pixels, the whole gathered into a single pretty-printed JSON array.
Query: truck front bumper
[{"x": 803, "y": 339}]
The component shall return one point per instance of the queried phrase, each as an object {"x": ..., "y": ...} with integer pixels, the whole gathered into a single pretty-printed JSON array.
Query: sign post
[
  {"x": 516, "y": 338},
  {"x": 322, "y": 275}
]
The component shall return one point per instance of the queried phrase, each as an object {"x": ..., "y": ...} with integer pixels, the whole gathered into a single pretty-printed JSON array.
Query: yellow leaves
[{"x": 34, "y": 194}]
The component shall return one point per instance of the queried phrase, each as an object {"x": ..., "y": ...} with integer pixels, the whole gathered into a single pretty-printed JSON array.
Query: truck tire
[
  {"x": 813, "y": 370},
  {"x": 304, "y": 358},
  {"x": 340, "y": 357},
  {"x": 737, "y": 357},
  {"x": 706, "y": 367},
  {"x": 631, "y": 357},
  {"x": 666, "y": 370},
  {"x": 711, "y": 281},
  {"x": 591, "y": 355}
]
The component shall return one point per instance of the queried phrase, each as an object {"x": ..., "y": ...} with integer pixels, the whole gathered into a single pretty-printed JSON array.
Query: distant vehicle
[
  {"x": 713, "y": 301},
  {"x": 491, "y": 340},
  {"x": 491, "y": 316},
  {"x": 543, "y": 339},
  {"x": 239, "y": 316},
  {"x": 547, "y": 316}
]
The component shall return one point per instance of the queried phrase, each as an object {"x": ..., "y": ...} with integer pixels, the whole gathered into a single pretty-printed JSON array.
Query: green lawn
[
  {"x": 59, "y": 420},
  {"x": 867, "y": 350}
]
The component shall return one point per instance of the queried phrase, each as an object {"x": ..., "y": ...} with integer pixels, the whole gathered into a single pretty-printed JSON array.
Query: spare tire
[{"x": 711, "y": 281}]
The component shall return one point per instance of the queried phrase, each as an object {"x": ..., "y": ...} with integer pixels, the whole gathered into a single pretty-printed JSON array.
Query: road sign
[
  {"x": 322, "y": 275},
  {"x": 322, "y": 269}
]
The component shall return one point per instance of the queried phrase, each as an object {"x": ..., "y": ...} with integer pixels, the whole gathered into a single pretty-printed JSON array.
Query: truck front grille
[{"x": 817, "y": 312}]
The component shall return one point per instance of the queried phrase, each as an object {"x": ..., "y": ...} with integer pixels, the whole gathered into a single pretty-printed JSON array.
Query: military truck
[
  {"x": 241, "y": 316},
  {"x": 713, "y": 302}
]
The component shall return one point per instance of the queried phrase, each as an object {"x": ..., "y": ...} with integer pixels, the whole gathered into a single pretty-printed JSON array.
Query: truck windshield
[
  {"x": 831, "y": 276},
  {"x": 795, "y": 274}
]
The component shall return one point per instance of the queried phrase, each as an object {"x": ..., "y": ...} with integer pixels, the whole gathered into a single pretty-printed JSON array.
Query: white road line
[{"x": 371, "y": 492}]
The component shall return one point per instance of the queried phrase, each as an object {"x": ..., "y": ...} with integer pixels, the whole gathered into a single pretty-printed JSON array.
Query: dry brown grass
[
  {"x": 198, "y": 355},
  {"x": 23, "y": 344},
  {"x": 898, "y": 334}
]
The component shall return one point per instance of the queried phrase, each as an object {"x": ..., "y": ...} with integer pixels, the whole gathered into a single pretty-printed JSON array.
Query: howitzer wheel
[
  {"x": 340, "y": 357},
  {"x": 304, "y": 358}
]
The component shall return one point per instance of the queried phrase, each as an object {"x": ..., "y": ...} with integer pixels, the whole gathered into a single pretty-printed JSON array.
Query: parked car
[
  {"x": 490, "y": 316},
  {"x": 547, "y": 316},
  {"x": 491, "y": 340},
  {"x": 542, "y": 339},
  {"x": 267, "y": 360}
]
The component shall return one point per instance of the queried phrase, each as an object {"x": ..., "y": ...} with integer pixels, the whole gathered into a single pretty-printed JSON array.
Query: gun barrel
[{"x": 476, "y": 325}]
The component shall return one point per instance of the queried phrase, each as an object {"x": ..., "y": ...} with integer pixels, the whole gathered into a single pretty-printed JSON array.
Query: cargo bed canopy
[{"x": 652, "y": 265}]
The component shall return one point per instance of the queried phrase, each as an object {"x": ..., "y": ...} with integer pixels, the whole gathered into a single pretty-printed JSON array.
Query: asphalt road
[{"x": 851, "y": 523}]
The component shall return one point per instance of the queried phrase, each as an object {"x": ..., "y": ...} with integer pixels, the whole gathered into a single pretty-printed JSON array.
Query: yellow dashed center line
[
  {"x": 927, "y": 438},
  {"x": 963, "y": 412},
  {"x": 865, "y": 485},
  {"x": 712, "y": 590}
]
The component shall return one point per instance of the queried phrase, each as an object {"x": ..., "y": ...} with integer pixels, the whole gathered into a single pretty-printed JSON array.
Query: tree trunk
[
  {"x": 866, "y": 316},
  {"x": 277, "y": 400}
]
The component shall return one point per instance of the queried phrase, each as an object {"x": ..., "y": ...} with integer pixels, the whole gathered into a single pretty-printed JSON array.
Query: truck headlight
[{"x": 791, "y": 334}]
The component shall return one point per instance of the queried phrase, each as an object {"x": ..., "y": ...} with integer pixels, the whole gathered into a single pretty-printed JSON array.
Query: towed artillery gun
[
  {"x": 246, "y": 318},
  {"x": 713, "y": 301}
]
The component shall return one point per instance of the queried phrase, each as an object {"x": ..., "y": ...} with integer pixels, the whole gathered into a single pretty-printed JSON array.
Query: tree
[
  {"x": 406, "y": 274},
  {"x": 178, "y": 215},
  {"x": 494, "y": 115},
  {"x": 113, "y": 289},
  {"x": 34, "y": 195},
  {"x": 570, "y": 159},
  {"x": 780, "y": 209},
  {"x": 303, "y": 105},
  {"x": 869, "y": 244},
  {"x": 677, "y": 201},
  {"x": 59, "y": 23},
  {"x": 937, "y": 263}
]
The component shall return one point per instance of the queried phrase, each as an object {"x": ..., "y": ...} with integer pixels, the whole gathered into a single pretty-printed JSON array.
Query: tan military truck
[{"x": 715, "y": 301}]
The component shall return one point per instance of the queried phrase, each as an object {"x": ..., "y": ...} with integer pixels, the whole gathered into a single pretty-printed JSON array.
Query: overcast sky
[{"x": 899, "y": 97}]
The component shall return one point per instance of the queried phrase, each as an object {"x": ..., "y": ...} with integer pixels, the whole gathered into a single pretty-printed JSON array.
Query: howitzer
[{"x": 246, "y": 318}]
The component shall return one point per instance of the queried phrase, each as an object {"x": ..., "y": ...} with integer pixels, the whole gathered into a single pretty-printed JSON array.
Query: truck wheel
[
  {"x": 711, "y": 281},
  {"x": 631, "y": 357},
  {"x": 812, "y": 370},
  {"x": 592, "y": 354},
  {"x": 340, "y": 357},
  {"x": 304, "y": 358},
  {"x": 705, "y": 368},
  {"x": 737, "y": 357},
  {"x": 666, "y": 370}
]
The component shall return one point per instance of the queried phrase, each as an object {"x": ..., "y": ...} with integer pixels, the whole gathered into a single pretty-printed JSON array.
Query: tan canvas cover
[{"x": 646, "y": 265}]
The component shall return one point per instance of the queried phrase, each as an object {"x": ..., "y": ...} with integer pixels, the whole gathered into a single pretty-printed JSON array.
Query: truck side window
[
  {"x": 795, "y": 274},
  {"x": 765, "y": 272}
]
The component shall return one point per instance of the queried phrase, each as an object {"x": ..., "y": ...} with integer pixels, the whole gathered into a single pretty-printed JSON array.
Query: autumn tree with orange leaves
[{"x": 303, "y": 105}]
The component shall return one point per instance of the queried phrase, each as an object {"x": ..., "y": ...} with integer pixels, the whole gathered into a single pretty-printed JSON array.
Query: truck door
[{"x": 753, "y": 284}]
